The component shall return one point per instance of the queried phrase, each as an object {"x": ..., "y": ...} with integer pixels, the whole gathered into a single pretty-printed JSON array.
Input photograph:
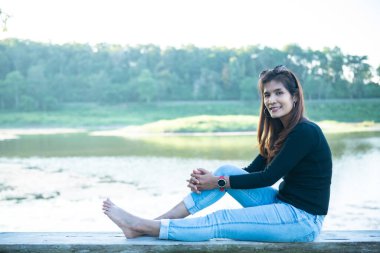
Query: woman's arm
[
  {"x": 297, "y": 145},
  {"x": 258, "y": 164}
]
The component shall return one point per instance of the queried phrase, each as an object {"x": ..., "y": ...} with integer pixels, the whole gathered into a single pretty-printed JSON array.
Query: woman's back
[{"x": 307, "y": 184}]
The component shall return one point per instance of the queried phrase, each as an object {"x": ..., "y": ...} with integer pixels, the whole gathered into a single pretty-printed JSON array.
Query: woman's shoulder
[
  {"x": 308, "y": 127},
  {"x": 308, "y": 130}
]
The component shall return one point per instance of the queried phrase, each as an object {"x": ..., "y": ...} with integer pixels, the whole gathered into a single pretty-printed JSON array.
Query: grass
[
  {"x": 199, "y": 124},
  {"x": 153, "y": 116},
  {"x": 228, "y": 123}
]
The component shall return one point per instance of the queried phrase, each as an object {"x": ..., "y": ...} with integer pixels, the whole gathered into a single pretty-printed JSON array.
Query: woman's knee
[{"x": 228, "y": 170}]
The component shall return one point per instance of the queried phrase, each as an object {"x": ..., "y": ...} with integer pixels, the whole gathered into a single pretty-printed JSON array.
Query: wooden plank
[{"x": 328, "y": 241}]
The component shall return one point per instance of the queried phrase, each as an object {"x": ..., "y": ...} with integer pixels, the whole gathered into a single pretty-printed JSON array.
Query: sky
[{"x": 352, "y": 25}]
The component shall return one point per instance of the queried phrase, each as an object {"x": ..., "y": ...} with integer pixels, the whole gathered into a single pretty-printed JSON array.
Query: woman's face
[{"x": 278, "y": 101}]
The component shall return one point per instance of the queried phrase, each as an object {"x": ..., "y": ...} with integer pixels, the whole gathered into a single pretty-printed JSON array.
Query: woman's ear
[{"x": 295, "y": 98}]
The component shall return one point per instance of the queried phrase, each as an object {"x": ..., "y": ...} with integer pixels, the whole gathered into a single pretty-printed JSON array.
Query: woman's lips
[{"x": 274, "y": 109}]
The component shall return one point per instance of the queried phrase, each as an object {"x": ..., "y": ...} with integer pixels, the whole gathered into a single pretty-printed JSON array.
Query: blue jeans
[{"x": 263, "y": 217}]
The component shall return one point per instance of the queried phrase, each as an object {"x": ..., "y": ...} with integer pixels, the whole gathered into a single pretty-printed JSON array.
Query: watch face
[{"x": 221, "y": 182}]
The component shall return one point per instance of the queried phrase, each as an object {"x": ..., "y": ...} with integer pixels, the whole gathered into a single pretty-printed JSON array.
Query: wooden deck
[{"x": 328, "y": 241}]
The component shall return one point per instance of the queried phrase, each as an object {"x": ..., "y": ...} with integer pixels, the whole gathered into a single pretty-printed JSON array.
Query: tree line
[{"x": 41, "y": 76}]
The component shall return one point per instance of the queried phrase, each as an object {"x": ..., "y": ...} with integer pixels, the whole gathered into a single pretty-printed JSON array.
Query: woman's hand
[
  {"x": 193, "y": 181},
  {"x": 202, "y": 179}
]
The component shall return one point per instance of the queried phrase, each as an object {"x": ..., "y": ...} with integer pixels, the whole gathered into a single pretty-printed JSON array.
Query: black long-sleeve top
[{"x": 305, "y": 164}]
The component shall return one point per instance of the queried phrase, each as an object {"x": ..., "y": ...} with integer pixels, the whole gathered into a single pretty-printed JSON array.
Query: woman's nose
[{"x": 270, "y": 100}]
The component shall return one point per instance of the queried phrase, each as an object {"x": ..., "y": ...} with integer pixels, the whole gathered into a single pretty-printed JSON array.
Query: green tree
[
  {"x": 38, "y": 88},
  {"x": 361, "y": 72},
  {"x": 206, "y": 86},
  {"x": 232, "y": 75},
  {"x": 248, "y": 88},
  {"x": 372, "y": 90},
  {"x": 146, "y": 86},
  {"x": 13, "y": 87},
  {"x": 106, "y": 73},
  {"x": 168, "y": 86},
  {"x": 97, "y": 86},
  {"x": 5, "y": 64}
]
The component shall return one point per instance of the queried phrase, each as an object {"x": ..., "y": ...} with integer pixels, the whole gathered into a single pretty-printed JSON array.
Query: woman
[{"x": 291, "y": 147}]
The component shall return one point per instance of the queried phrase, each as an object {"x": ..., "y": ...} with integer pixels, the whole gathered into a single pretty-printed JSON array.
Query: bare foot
[{"x": 126, "y": 221}]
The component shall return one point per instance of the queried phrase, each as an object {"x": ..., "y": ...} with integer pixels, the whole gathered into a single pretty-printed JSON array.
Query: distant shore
[
  {"x": 327, "y": 126},
  {"x": 9, "y": 134},
  {"x": 140, "y": 131},
  {"x": 186, "y": 118},
  {"x": 95, "y": 116}
]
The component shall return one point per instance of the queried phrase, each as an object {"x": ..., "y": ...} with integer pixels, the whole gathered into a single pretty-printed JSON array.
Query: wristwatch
[{"x": 222, "y": 183}]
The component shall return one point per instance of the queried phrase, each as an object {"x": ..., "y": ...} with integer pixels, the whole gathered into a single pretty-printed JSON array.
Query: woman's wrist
[
  {"x": 226, "y": 179},
  {"x": 228, "y": 186},
  {"x": 215, "y": 182}
]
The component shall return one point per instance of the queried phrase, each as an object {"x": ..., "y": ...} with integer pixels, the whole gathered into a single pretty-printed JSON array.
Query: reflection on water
[
  {"x": 206, "y": 147},
  {"x": 57, "y": 183}
]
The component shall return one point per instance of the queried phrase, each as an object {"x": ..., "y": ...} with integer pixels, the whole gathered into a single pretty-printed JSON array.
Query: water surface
[{"x": 57, "y": 182}]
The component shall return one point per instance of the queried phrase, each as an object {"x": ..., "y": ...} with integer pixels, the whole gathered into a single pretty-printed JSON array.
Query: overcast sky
[{"x": 352, "y": 25}]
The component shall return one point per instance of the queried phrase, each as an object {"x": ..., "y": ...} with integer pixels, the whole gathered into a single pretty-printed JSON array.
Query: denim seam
[
  {"x": 247, "y": 195},
  {"x": 198, "y": 207},
  {"x": 253, "y": 223}
]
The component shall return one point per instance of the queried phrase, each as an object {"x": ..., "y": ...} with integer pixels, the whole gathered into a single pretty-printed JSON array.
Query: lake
[{"x": 57, "y": 182}]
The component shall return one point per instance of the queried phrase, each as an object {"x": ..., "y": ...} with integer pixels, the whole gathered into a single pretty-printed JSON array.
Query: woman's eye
[{"x": 279, "y": 92}]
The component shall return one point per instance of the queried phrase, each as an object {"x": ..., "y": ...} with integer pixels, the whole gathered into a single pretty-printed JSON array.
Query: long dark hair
[{"x": 271, "y": 133}]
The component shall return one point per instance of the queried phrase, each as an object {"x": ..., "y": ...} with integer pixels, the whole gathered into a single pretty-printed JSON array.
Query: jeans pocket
[{"x": 318, "y": 221}]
